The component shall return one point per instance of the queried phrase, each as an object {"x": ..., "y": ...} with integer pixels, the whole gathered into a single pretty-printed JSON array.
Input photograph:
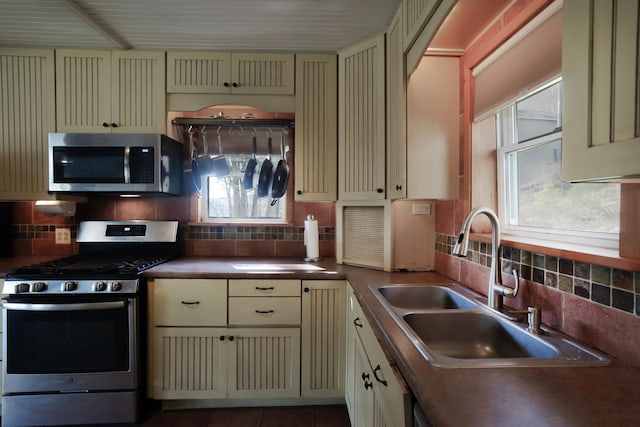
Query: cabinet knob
[
  {"x": 105, "y": 125},
  {"x": 221, "y": 337},
  {"x": 299, "y": 192},
  {"x": 231, "y": 338},
  {"x": 306, "y": 290},
  {"x": 226, "y": 84},
  {"x": 114, "y": 125},
  {"x": 234, "y": 84},
  {"x": 379, "y": 190},
  {"x": 398, "y": 187}
]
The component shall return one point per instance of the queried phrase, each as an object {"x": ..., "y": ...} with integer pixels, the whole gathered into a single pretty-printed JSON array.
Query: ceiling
[{"x": 300, "y": 25}]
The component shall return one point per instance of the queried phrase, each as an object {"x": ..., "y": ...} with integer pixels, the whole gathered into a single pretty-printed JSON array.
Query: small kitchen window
[{"x": 533, "y": 199}]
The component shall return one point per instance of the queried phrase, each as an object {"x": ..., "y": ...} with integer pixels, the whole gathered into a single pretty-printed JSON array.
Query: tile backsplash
[{"x": 607, "y": 286}]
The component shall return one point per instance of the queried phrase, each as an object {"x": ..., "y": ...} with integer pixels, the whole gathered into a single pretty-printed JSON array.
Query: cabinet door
[
  {"x": 264, "y": 363},
  {"x": 316, "y": 128},
  {"x": 198, "y": 72},
  {"x": 138, "y": 92},
  {"x": 189, "y": 363},
  {"x": 27, "y": 116},
  {"x": 262, "y": 74},
  {"x": 189, "y": 302},
  {"x": 361, "y": 118},
  {"x": 396, "y": 140},
  {"x": 323, "y": 338},
  {"x": 601, "y": 76},
  {"x": 415, "y": 13},
  {"x": 83, "y": 90}
]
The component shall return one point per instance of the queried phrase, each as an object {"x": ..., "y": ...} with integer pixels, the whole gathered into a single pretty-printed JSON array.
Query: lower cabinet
[
  {"x": 215, "y": 363},
  {"x": 376, "y": 395},
  {"x": 246, "y": 339}
]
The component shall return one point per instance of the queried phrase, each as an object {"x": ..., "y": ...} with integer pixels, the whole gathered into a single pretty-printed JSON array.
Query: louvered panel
[
  {"x": 362, "y": 134},
  {"x": 323, "y": 329},
  {"x": 201, "y": 73},
  {"x": 26, "y": 118},
  {"x": 189, "y": 363},
  {"x": 363, "y": 235},
  {"x": 379, "y": 415},
  {"x": 415, "y": 15},
  {"x": 266, "y": 363},
  {"x": 316, "y": 133},
  {"x": 82, "y": 100},
  {"x": 263, "y": 74}
]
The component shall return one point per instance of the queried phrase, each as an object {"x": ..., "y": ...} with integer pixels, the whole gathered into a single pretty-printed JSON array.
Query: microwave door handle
[
  {"x": 127, "y": 165},
  {"x": 63, "y": 307}
]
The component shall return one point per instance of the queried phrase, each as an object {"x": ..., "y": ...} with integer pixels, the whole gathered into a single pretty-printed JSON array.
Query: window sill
[{"x": 588, "y": 254}]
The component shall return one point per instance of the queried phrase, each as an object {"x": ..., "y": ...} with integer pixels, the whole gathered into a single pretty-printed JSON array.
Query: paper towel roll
[{"x": 311, "y": 239}]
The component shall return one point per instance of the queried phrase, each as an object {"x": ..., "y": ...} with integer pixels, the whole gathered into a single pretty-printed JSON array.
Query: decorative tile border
[
  {"x": 231, "y": 232},
  {"x": 604, "y": 285}
]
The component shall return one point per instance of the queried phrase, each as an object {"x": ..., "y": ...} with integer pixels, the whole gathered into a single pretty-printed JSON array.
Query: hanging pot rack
[{"x": 232, "y": 123}]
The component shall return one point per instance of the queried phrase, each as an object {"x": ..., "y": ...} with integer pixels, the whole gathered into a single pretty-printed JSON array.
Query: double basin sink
[{"x": 453, "y": 331}]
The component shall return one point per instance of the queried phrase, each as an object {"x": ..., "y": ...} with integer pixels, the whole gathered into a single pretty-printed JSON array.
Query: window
[
  {"x": 225, "y": 199},
  {"x": 532, "y": 196}
]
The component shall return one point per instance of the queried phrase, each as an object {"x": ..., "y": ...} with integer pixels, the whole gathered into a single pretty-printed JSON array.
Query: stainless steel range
[{"x": 73, "y": 327}]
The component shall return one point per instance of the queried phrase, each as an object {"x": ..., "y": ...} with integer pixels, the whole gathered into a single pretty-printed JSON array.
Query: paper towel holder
[{"x": 310, "y": 217}]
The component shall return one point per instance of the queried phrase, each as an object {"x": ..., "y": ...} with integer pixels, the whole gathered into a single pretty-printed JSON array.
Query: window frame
[{"x": 595, "y": 239}]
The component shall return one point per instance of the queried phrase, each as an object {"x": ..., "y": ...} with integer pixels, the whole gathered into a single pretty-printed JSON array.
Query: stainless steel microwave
[{"x": 115, "y": 163}]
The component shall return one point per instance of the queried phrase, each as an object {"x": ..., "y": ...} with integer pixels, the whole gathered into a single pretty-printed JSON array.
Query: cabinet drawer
[
  {"x": 190, "y": 302},
  {"x": 264, "y": 311},
  {"x": 263, "y": 288}
]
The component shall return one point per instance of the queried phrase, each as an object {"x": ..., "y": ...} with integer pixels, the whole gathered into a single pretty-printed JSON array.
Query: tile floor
[{"x": 290, "y": 416}]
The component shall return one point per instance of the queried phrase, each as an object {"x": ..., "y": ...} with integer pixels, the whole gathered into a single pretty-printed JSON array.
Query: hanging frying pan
[
  {"x": 219, "y": 162},
  {"x": 191, "y": 173},
  {"x": 281, "y": 175},
  {"x": 266, "y": 172},
  {"x": 250, "y": 170},
  {"x": 205, "y": 164}
]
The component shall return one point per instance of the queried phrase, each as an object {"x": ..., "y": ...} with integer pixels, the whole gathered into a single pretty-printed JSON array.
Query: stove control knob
[
  {"x": 116, "y": 286},
  {"x": 69, "y": 286},
  {"x": 22, "y": 288},
  {"x": 39, "y": 287},
  {"x": 100, "y": 286}
]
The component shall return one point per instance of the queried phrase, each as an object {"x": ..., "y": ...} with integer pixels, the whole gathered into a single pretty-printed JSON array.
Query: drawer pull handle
[
  {"x": 190, "y": 302},
  {"x": 357, "y": 322},
  {"x": 375, "y": 374},
  {"x": 264, "y": 311},
  {"x": 259, "y": 288}
]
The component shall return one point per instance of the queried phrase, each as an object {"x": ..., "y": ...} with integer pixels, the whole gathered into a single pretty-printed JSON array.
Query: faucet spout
[{"x": 496, "y": 290}]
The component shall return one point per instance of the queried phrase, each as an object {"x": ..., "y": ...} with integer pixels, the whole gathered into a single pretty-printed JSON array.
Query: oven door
[{"x": 69, "y": 344}]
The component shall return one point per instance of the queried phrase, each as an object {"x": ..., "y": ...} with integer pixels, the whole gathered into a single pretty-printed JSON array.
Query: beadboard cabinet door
[
  {"x": 323, "y": 338},
  {"x": 110, "y": 91},
  {"x": 361, "y": 121},
  {"x": 316, "y": 158},
  {"x": 396, "y": 110},
  {"x": 231, "y": 73},
  {"x": 601, "y": 77},
  {"x": 27, "y": 115}
]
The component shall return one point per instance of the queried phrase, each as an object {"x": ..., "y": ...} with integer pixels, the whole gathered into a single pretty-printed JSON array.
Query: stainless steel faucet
[{"x": 496, "y": 290}]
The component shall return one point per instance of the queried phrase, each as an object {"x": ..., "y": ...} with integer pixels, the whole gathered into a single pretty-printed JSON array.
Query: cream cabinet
[
  {"x": 231, "y": 73},
  {"x": 396, "y": 107},
  {"x": 316, "y": 157},
  {"x": 323, "y": 338},
  {"x": 415, "y": 13},
  {"x": 110, "y": 91},
  {"x": 361, "y": 121},
  {"x": 376, "y": 394},
  {"x": 28, "y": 115},
  {"x": 195, "y": 353},
  {"x": 601, "y": 106}
]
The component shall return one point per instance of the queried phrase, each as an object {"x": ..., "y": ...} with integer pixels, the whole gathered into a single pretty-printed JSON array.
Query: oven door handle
[{"x": 63, "y": 307}]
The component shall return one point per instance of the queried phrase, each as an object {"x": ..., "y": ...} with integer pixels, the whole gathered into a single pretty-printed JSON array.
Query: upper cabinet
[
  {"x": 415, "y": 13},
  {"x": 396, "y": 137},
  {"x": 601, "y": 77},
  {"x": 361, "y": 124},
  {"x": 316, "y": 157},
  {"x": 27, "y": 106},
  {"x": 110, "y": 91},
  {"x": 231, "y": 73}
]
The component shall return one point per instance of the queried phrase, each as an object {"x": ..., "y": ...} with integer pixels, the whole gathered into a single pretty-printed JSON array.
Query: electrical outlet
[
  {"x": 421, "y": 209},
  {"x": 63, "y": 236}
]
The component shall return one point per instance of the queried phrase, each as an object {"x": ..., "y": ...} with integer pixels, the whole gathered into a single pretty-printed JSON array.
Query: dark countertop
[{"x": 450, "y": 397}]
